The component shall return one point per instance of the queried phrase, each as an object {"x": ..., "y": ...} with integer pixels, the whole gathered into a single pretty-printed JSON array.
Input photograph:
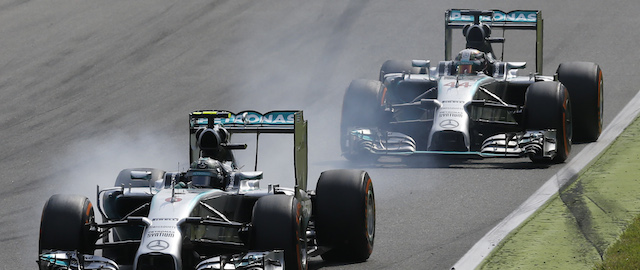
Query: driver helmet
[
  {"x": 470, "y": 61},
  {"x": 207, "y": 173}
]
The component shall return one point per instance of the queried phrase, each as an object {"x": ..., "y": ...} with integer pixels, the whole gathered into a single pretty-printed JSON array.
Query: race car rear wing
[
  {"x": 252, "y": 122},
  {"x": 513, "y": 20}
]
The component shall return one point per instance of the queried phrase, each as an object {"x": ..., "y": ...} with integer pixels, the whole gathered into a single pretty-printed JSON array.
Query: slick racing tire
[
  {"x": 584, "y": 82},
  {"x": 124, "y": 177},
  {"x": 547, "y": 106},
  {"x": 65, "y": 224},
  {"x": 360, "y": 108},
  {"x": 345, "y": 212},
  {"x": 277, "y": 225},
  {"x": 398, "y": 66}
]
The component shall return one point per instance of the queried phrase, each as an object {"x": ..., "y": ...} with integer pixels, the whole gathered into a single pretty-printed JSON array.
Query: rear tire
[
  {"x": 585, "y": 85},
  {"x": 345, "y": 215},
  {"x": 277, "y": 224},
  {"x": 65, "y": 224},
  {"x": 547, "y": 106},
  {"x": 360, "y": 108}
]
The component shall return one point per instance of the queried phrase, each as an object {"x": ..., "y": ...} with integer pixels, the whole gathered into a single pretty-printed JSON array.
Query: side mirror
[
  {"x": 141, "y": 175},
  {"x": 516, "y": 65},
  {"x": 421, "y": 63},
  {"x": 424, "y": 65}
]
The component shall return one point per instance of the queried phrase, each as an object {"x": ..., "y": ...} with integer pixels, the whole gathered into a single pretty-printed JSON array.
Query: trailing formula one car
[
  {"x": 474, "y": 104},
  {"x": 213, "y": 216}
]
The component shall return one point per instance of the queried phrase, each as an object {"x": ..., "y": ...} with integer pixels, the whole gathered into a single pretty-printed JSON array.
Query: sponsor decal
[
  {"x": 201, "y": 121},
  {"x": 161, "y": 227},
  {"x": 454, "y": 101},
  {"x": 498, "y": 16},
  {"x": 151, "y": 234},
  {"x": 254, "y": 118},
  {"x": 246, "y": 118},
  {"x": 449, "y": 123},
  {"x": 165, "y": 219},
  {"x": 158, "y": 245},
  {"x": 448, "y": 114}
]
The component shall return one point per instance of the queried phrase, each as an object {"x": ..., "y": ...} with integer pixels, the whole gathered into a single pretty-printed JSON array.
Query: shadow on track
[{"x": 318, "y": 263}]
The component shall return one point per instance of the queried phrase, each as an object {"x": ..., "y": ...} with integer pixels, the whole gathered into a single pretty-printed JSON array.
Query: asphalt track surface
[{"x": 90, "y": 87}]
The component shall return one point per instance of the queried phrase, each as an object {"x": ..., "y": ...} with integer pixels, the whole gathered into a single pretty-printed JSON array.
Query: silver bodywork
[
  {"x": 460, "y": 103},
  {"x": 181, "y": 214},
  {"x": 452, "y": 112},
  {"x": 170, "y": 212}
]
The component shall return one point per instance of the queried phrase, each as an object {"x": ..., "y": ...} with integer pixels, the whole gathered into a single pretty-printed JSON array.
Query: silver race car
[
  {"x": 474, "y": 104},
  {"x": 214, "y": 216}
]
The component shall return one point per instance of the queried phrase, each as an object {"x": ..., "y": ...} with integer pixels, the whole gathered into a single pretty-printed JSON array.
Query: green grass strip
[
  {"x": 577, "y": 226},
  {"x": 625, "y": 253}
]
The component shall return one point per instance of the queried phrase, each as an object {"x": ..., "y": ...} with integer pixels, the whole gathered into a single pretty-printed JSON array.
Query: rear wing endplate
[
  {"x": 253, "y": 122},
  {"x": 513, "y": 20}
]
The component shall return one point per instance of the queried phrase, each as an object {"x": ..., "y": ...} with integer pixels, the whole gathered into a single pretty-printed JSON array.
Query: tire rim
[
  {"x": 568, "y": 124},
  {"x": 600, "y": 101},
  {"x": 371, "y": 214}
]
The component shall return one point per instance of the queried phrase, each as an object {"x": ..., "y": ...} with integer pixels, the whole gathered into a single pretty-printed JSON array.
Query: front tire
[
  {"x": 585, "y": 85},
  {"x": 547, "y": 106},
  {"x": 277, "y": 224},
  {"x": 65, "y": 224},
  {"x": 345, "y": 215},
  {"x": 360, "y": 108}
]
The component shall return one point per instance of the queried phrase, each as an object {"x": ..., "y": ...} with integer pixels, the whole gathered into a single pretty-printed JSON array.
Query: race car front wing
[
  {"x": 63, "y": 260},
  {"x": 72, "y": 260},
  {"x": 540, "y": 143}
]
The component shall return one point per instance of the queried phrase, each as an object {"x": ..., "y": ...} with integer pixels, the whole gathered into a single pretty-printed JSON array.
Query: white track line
[{"x": 482, "y": 248}]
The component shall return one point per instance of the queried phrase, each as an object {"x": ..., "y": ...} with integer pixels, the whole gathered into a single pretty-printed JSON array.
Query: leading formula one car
[
  {"x": 213, "y": 216},
  {"x": 474, "y": 104}
]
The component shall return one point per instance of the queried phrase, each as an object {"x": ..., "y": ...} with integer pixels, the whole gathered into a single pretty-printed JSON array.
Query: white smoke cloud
[{"x": 98, "y": 160}]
